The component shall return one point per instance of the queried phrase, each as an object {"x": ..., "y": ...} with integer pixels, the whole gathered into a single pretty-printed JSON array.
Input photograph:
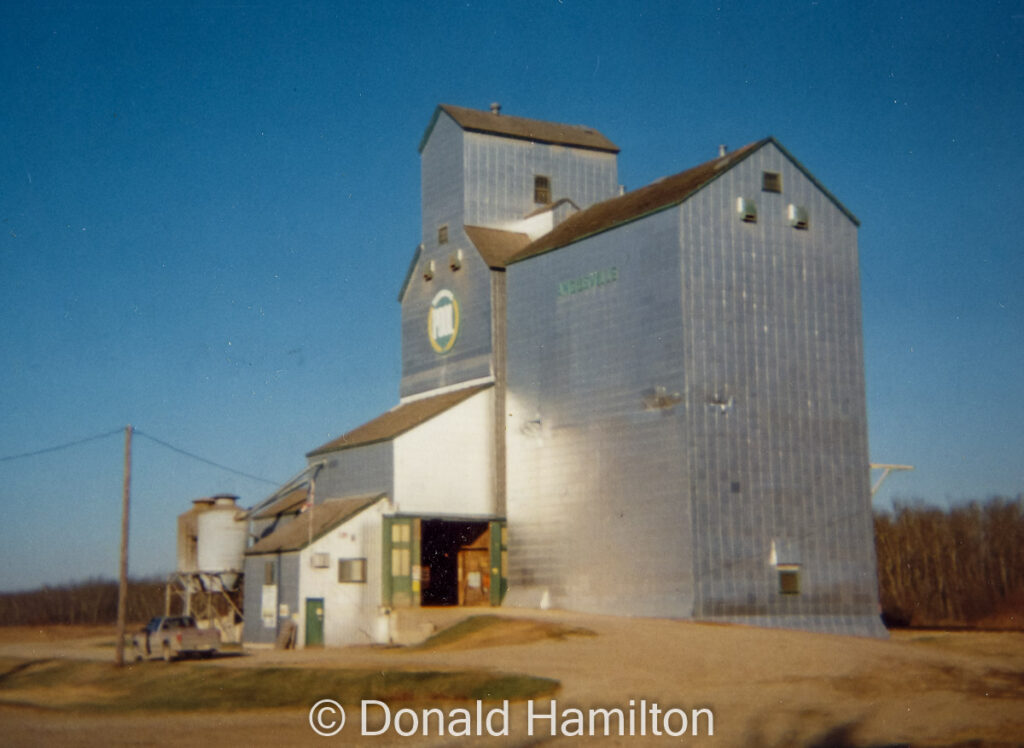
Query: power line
[
  {"x": 59, "y": 447},
  {"x": 204, "y": 460},
  {"x": 96, "y": 437}
]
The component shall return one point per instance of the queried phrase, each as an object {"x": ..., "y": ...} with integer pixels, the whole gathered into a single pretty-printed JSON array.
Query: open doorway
[{"x": 455, "y": 562}]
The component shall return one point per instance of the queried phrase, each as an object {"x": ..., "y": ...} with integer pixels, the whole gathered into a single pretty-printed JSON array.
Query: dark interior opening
[{"x": 440, "y": 543}]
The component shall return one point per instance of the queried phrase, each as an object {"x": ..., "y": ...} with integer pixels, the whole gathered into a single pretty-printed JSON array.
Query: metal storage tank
[
  {"x": 188, "y": 535},
  {"x": 222, "y": 540}
]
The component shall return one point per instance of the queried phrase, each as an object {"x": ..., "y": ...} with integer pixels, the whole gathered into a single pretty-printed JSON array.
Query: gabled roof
[
  {"x": 290, "y": 502},
  {"x": 521, "y": 128},
  {"x": 314, "y": 523},
  {"x": 655, "y": 197},
  {"x": 398, "y": 420},
  {"x": 496, "y": 246}
]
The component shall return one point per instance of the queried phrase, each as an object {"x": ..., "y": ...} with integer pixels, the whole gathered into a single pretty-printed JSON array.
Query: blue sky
[{"x": 207, "y": 211}]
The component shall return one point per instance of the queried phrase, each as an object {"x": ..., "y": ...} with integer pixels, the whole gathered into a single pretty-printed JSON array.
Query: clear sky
[{"x": 207, "y": 211}]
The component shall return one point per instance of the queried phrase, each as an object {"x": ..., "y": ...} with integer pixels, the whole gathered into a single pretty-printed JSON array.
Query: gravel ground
[{"x": 763, "y": 687}]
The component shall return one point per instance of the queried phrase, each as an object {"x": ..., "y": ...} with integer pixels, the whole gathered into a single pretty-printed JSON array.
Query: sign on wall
[
  {"x": 269, "y": 605},
  {"x": 587, "y": 282},
  {"x": 443, "y": 321}
]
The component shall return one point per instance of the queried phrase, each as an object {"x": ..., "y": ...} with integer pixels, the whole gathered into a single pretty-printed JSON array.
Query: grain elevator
[{"x": 639, "y": 403}]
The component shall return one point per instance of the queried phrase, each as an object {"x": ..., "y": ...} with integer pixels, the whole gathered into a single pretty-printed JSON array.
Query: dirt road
[{"x": 763, "y": 687}]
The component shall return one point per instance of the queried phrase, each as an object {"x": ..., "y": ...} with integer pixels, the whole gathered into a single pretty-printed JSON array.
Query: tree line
[
  {"x": 91, "y": 602},
  {"x": 958, "y": 566}
]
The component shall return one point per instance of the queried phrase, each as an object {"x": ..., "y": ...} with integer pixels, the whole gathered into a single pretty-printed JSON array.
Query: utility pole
[{"x": 122, "y": 590}]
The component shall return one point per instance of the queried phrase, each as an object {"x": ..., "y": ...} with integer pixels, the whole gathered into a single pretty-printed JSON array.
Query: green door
[{"x": 314, "y": 621}]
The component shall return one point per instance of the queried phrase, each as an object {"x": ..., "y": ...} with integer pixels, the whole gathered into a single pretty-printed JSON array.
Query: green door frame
[
  {"x": 401, "y": 554},
  {"x": 400, "y": 565},
  {"x": 499, "y": 561}
]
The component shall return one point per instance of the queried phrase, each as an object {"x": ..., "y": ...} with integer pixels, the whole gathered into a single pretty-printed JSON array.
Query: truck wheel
[{"x": 168, "y": 653}]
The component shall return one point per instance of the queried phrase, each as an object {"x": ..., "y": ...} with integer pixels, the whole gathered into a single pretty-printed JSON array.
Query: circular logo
[{"x": 443, "y": 321}]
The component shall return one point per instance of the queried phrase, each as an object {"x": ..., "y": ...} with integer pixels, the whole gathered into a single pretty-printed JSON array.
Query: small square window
[
  {"x": 351, "y": 570},
  {"x": 789, "y": 579},
  {"x": 541, "y": 189},
  {"x": 771, "y": 181},
  {"x": 442, "y": 234}
]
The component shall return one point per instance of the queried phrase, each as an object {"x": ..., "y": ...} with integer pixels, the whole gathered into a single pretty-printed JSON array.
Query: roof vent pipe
[
  {"x": 722, "y": 150},
  {"x": 495, "y": 108}
]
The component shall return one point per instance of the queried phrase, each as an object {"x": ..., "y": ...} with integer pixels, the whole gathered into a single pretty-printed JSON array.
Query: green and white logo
[{"x": 443, "y": 321}]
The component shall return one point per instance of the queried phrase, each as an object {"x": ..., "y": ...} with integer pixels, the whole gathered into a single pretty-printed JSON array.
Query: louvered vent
[
  {"x": 747, "y": 209},
  {"x": 798, "y": 217}
]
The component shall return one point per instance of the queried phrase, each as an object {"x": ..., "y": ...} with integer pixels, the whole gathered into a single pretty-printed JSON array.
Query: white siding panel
[
  {"x": 352, "y": 611},
  {"x": 446, "y": 465}
]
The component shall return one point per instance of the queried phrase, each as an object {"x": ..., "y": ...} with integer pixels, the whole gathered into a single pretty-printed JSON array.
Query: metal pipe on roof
[{"x": 289, "y": 484}]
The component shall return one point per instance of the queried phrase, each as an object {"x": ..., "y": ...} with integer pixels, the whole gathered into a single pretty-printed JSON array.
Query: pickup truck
[{"x": 171, "y": 637}]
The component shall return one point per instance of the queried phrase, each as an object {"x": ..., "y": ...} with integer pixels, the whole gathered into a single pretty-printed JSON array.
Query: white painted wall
[
  {"x": 446, "y": 465},
  {"x": 352, "y": 611}
]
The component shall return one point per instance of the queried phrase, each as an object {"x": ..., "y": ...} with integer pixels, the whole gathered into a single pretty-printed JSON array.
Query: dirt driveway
[{"x": 763, "y": 687}]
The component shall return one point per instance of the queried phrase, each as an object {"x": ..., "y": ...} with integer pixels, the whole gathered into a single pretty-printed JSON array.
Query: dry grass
[
  {"x": 96, "y": 686},
  {"x": 483, "y": 631}
]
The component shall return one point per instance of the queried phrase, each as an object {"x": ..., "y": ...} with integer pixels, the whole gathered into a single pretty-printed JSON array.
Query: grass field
[{"x": 187, "y": 686}]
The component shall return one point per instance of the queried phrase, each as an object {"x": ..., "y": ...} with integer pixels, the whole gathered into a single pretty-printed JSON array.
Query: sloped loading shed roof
[
  {"x": 655, "y": 197},
  {"x": 536, "y": 131},
  {"x": 398, "y": 420},
  {"x": 292, "y": 501},
  {"x": 324, "y": 517}
]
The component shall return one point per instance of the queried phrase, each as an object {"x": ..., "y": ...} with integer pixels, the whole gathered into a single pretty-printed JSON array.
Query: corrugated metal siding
[
  {"x": 499, "y": 176},
  {"x": 672, "y": 512},
  {"x": 443, "y": 189},
  {"x": 441, "y": 182},
  {"x": 597, "y": 509},
  {"x": 471, "y": 178},
  {"x": 771, "y": 318},
  {"x": 359, "y": 470},
  {"x": 424, "y": 369},
  {"x": 288, "y": 586},
  {"x": 254, "y": 631}
]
